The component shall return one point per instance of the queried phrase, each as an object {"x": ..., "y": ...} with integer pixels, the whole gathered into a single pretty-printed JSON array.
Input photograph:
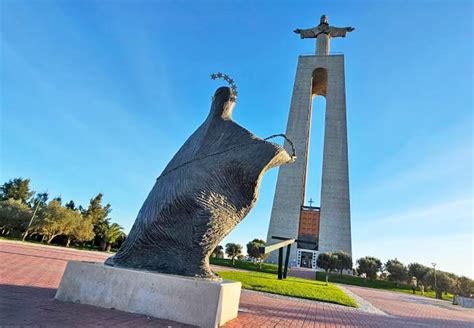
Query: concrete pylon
[{"x": 316, "y": 75}]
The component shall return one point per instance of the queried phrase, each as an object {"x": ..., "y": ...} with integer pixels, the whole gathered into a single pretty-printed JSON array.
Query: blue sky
[{"x": 97, "y": 96}]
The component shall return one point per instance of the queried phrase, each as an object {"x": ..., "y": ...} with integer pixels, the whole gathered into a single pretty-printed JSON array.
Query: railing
[
  {"x": 316, "y": 55},
  {"x": 282, "y": 272}
]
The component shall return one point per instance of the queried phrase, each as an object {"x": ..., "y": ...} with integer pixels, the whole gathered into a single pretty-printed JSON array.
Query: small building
[{"x": 307, "y": 253}]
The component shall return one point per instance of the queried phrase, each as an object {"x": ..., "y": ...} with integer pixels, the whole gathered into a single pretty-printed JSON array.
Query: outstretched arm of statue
[
  {"x": 339, "y": 31},
  {"x": 308, "y": 33}
]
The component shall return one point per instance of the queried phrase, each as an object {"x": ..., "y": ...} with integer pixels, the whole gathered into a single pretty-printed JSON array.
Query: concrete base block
[
  {"x": 466, "y": 302},
  {"x": 193, "y": 301}
]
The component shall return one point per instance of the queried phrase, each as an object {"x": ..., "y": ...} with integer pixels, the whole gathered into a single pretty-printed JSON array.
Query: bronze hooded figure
[{"x": 207, "y": 188}]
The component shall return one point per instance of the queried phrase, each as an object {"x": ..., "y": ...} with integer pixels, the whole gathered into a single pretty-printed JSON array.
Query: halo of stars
[{"x": 228, "y": 79}]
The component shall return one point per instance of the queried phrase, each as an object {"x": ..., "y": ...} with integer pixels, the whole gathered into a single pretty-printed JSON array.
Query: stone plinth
[
  {"x": 188, "y": 300},
  {"x": 464, "y": 301}
]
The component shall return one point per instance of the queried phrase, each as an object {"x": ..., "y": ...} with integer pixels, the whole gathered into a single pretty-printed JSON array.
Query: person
[{"x": 413, "y": 284}]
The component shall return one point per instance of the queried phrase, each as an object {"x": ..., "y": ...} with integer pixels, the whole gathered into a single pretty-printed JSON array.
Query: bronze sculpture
[{"x": 208, "y": 187}]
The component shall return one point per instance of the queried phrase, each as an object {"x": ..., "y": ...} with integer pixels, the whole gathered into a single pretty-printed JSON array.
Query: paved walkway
[
  {"x": 30, "y": 274},
  {"x": 29, "y": 277},
  {"x": 412, "y": 306}
]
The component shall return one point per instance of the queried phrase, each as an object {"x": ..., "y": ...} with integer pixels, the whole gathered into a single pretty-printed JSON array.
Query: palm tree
[{"x": 111, "y": 234}]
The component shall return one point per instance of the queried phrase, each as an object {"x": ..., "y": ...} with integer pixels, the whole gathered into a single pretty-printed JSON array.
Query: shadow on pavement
[{"x": 34, "y": 306}]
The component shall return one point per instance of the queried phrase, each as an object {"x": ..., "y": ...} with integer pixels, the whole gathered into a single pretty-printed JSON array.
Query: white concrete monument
[{"x": 329, "y": 225}]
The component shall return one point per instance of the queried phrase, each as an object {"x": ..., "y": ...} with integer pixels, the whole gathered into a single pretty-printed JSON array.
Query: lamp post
[
  {"x": 39, "y": 200},
  {"x": 435, "y": 284},
  {"x": 35, "y": 205}
]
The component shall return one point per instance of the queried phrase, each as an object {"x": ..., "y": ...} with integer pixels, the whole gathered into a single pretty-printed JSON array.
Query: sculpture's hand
[
  {"x": 350, "y": 29},
  {"x": 297, "y": 31}
]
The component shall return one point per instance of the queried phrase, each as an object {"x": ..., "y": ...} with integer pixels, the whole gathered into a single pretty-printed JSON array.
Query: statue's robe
[
  {"x": 332, "y": 31},
  {"x": 208, "y": 187}
]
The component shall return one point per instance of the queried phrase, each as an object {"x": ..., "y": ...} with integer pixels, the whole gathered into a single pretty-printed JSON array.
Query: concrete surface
[
  {"x": 464, "y": 301},
  {"x": 193, "y": 301}
]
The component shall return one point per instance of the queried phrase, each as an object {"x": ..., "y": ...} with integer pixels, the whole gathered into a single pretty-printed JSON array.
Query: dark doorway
[{"x": 306, "y": 260}]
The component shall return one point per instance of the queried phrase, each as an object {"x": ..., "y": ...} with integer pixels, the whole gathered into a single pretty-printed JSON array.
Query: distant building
[{"x": 308, "y": 230}]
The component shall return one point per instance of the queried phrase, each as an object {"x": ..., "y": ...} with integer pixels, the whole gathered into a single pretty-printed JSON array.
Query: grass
[
  {"x": 244, "y": 265},
  {"x": 377, "y": 284},
  {"x": 294, "y": 287},
  {"x": 336, "y": 278}
]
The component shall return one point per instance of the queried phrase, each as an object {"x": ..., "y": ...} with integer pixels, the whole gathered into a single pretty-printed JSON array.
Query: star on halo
[{"x": 226, "y": 78}]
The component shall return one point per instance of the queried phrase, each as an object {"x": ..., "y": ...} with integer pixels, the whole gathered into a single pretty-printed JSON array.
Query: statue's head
[
  {"x": 223, "y": 102},
  {"x": 324, "y": 20}
]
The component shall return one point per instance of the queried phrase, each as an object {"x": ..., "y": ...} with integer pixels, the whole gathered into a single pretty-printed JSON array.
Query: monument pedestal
[{"x": 188, "y": 300}]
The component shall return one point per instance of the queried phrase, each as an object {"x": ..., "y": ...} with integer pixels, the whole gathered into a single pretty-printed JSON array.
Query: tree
[
  {"x": 253, "y": 250},
  {"x": 58, "y": 199},
  {"x": 111, "y": 234},
  {"x": 97, "y": 214},
  {"x": 96, "y": 211},
  {"x": 398, "y": 272},
  {"x": 444, "y": 283},
  {"x": 369, "y": 266},
  {"x": 18, "y": 189},
  {"x": 14, "y": 215},
  {"x": 418, "y": 271},
  {"x": 56, "y": 220},
  {"x": 327, "y": 262},
  {"x": 218, "y": 252},
  {"x": 71, "y": 205},
  {"x": 233, "y": 250},
  {"x": 40, "y": 198},
  {"x": 100, "y": 229},
  {"x": 343, "y": 261},
  {"x": 82, "y": 230},
  {"x": 464, "y": 286}
]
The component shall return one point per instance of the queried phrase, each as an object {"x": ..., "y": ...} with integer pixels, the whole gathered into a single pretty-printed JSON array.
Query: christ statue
[{"x": 323, "y": 32}]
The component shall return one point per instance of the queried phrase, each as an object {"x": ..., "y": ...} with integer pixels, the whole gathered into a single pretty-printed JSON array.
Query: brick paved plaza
[{"x": 30, "y": 274}]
